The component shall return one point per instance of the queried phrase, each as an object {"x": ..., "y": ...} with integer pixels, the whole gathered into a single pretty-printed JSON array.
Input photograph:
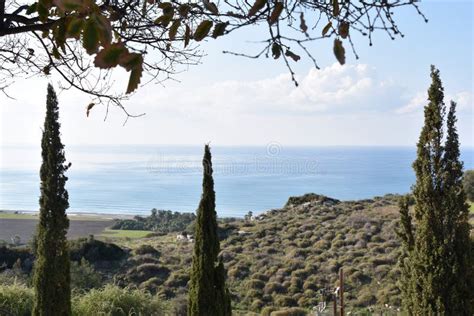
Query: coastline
[{"x": 84, "y": 216}]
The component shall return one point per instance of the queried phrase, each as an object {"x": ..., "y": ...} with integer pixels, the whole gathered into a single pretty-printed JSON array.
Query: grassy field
[
  {"x": 72, "y": 217},
  {"x": 9, "y": 215},
  {"x": 115, "y": 233}
]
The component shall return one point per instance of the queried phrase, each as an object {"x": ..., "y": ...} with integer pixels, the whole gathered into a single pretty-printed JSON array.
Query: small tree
[
  {"x": 436, "y": 261},
  {"x": 208, "y": 294},
  {"x": 51, "y": 273}
]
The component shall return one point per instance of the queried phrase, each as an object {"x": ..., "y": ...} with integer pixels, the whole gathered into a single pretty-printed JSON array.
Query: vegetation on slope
[
  {"x": 285, "y": 257},
  {"x": 288, "y": 257}
]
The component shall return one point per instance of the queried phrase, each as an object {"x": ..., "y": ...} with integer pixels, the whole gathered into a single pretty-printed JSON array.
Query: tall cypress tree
[
  {"x": 208, "y": 294},
  {"x": 51, "y": 271},
  {"x": 458, "y": 290},
  {"x": 427, "y": 257},
  {"x": 435, "y": 259}
]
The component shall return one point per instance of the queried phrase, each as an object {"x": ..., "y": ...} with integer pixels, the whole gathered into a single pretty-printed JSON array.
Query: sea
[{"x": 131, "y": 179}]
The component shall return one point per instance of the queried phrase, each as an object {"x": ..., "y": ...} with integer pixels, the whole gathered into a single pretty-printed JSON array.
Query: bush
[
  {"x": 16, "y": 300},
  {"x": 9, "y": 256},
  {"x": 94, "y": 250},
  {"x": 147, "y": 249},
  {"x": 83, "y": 276},
  {"x": 294, "y": 311},
  {"x": 267, "y": 310},
  {"x": 114, "y": 301}
]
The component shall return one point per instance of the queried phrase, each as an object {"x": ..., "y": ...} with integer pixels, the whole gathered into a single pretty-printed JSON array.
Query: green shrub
[
  {"x": 266, "y": 311},
  {"x": 10, "y": 255},
  {"x": 94, "y": 250},
  {"x": 255, "y": 284},
  {"x": 83, "y": 276},
  {"x": 285, "y": 301},
  {"x": 114, "y": 301},
  {"x": 16, "y": 300},
  {"x": 147, "y": 249},
  {"x": 294, "y": 311}
]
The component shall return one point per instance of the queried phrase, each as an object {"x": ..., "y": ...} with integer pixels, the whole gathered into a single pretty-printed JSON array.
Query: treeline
[{"x": 159, "y": 221}]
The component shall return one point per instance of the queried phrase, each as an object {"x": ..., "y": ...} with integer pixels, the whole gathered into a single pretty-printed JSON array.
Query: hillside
[
  {"x": 282, "y": 258},
  {"x": 287, "y": 257}
]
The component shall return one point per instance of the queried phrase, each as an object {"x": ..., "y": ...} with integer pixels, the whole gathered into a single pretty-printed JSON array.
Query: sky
[{"x": 376, "y": 100}]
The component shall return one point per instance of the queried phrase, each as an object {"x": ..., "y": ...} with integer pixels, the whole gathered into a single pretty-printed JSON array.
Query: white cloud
[
  {"x": 352, "y": 104},
  {"x": 420, "y": 99},
  {"x": 332, "y": 89}
]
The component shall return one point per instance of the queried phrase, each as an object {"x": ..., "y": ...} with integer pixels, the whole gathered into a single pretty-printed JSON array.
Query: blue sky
[{"x": 376, "y": 100}]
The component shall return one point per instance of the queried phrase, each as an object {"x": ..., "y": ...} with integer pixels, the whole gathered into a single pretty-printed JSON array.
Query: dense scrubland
[{"x": 283, "y": 258}]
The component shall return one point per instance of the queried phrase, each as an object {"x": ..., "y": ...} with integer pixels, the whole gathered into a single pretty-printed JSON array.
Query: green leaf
[
  {"x": 257, "y": 6},
  {"x": 326, "y": 28},
  {"x": 174, "y": 29},
  {"x": 90, "y": 36},
  {"x": 292, "y": 55},
  {"x": 339, "y": 51},
  {"x": 276, "y": 50},
  {"x": 335, "y": 7},
  {"x": 109, "y": 56},
  {"x": 202, "y": 30},
  {"x": 344, "y": 29},
  {"x": 219, "y": 29},
  {"x": 74, "y": 28},
  {"x": 277, "y": 10}
]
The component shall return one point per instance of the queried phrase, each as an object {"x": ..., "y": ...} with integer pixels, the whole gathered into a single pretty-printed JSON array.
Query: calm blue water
[{"x": 135, "y": 179}]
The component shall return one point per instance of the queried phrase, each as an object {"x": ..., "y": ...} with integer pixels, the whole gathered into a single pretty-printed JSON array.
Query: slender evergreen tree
[
  {"x": 458, "y": 291},
  {"x": 208, "y": 294},
  {"x": 435, "y": 261},
  {"x": 51, "y": 272}
]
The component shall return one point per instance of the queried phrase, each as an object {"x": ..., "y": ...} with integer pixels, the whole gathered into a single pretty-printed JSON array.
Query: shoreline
[{"x": 24, "y": 214}]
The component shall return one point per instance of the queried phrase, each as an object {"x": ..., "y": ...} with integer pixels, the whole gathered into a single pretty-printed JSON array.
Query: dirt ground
[{"x": 26, "y": 227}]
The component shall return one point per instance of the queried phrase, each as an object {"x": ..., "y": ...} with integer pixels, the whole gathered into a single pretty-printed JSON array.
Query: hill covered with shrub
[
  {"x": 288, "y": 257},
  {"x": 284, "y": 258}
]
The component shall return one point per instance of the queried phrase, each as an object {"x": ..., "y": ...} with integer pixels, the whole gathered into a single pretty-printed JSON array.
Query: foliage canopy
[{"x": 84, "y": 40}]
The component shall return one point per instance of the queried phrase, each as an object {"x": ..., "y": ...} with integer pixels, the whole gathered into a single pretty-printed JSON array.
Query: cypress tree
[
  {"x": 435, "y": 255},
  {"x": 459, "y": 264},
  {"x": 208, "y": 294},
  {"x": 51, "y": 272},
  {"x": 427, "y": 257}
]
